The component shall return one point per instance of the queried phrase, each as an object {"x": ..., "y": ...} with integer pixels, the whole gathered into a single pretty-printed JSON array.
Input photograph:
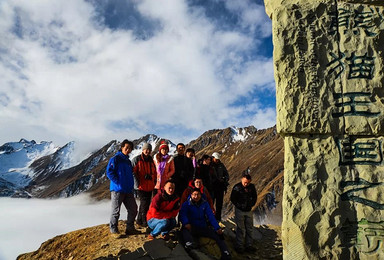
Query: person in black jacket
[
  {"x": 220, "y": 180},
  {"x": 183, "y": 170},
  {"x": 244, "y": 196}
]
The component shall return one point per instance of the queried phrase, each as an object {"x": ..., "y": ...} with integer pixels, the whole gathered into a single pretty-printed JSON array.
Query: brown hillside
[{"x": 262, "y": 151}]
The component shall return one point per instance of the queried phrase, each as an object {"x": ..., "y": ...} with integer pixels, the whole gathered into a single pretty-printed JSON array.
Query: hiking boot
[
  {"x": 132, "y": 231},
  {"x": 148, "y": 230},
  {"x": 142, "y": 225},
  {"x": 189, "y": 246},
  {"x": 150, "y": 237},
  {"x": 115, "y": 232},
  {"x": 165, "y": 237},
  {"x": 225, "y": 255}
]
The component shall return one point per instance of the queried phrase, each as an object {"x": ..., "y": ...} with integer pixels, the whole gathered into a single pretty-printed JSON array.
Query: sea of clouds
[{"x": 26, "y": 223}]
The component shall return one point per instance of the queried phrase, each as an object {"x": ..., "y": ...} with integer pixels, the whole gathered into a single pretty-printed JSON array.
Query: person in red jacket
[
  {"x": 197, "y": 183},
  {"x": 144, "y": 170},
  {"x": 163, "y": 211},
  {"x": 165, "y": 166}
]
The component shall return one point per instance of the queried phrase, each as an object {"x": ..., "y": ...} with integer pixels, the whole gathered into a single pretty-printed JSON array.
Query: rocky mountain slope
[
  {"x": 260, "y": 150},
  {"x": 97, "y": 243},
  {"x": 15, "y": 160}
]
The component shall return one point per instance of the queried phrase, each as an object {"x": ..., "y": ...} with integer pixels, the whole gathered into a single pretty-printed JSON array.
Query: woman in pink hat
[{"x": 165, "y": 166}]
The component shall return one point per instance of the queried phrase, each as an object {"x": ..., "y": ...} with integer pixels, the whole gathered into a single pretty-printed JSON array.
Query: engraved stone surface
[
  {"x": 328, "y": 67},
  {"x": 326, "y": 196},
  {"x": 329, "y": 73}
]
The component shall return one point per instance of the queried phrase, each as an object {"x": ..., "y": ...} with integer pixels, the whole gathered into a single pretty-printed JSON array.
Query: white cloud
[
  {"x": 264, "y": 118},
  {"x": 252, "y": 16},
  {"x": 66, "y": 78},
  {"x": 26, "y": 223}
]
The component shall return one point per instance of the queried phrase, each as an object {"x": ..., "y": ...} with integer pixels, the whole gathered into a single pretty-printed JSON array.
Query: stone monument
[{"x": 328, "y": 61}]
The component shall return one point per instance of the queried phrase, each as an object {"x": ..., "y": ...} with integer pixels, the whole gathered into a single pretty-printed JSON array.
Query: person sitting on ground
[
  {"x": 193, "y": 216},
  {"x": 163, "y": 211},
  {"x": 244, "y": 196},
  {"x": 197, "y": 183}
]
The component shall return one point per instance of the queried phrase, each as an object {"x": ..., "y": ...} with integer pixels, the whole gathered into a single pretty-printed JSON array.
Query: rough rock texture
[
  {"x": 97, "y": 243},
  {"x": 328, "y": 59}
]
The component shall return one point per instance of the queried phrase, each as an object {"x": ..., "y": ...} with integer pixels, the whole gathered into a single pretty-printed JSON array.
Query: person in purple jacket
[
  {"x": 193, "y": 215},
  {"x": 119, "y": 171}
]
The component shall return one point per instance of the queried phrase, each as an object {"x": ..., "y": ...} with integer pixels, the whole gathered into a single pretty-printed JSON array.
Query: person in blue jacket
[
  {"x": 119, "y": 171},
  {"x": 194, "y": 214}
]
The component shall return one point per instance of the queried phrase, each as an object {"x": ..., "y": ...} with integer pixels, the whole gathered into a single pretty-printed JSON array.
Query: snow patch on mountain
[
  {"x": 65, "y": 156},
  {"x": 239, "y": 134},
  {"x": 16, "y": 157},
  {"x": 153, "y": 140}
]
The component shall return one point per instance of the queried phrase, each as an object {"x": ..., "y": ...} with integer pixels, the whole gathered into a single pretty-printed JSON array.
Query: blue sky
[{"x": 93, "y": 71}]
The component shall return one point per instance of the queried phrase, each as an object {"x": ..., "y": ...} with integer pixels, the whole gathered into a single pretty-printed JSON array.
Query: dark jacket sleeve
[
  {"x": 254, "y": 195},
  {"x": 111, "y": 170},
  {"x": 226, "y": 174},
  {"x": 234, "y": 195},
  {"x": 209, "y": 213}
]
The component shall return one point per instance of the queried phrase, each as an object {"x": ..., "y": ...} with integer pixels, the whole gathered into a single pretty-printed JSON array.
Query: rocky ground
[{"x": 97, "y": 243}]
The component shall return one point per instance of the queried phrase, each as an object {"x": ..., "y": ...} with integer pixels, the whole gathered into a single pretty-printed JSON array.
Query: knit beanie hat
[
  {"x": 147, "y": 146},
  {"x": 163, "y": 145}
]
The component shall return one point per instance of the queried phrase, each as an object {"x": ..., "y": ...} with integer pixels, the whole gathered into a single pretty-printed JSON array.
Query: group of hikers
[{"x": 178, "y": 190}]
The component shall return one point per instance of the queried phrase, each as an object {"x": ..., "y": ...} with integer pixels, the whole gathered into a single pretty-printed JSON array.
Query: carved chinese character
[
  {"x": 355, "y": 150},
  {"x": 354, "y": 104},
  {"x": 366, "y": 236},
  {"x": 360, "y": 66},
  {"x": 337, "y": 66},
  {"x": 355, "y": 20},
  {"x": 355, "y": 195}
]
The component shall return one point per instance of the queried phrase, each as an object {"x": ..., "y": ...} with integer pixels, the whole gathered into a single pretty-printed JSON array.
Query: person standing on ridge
[
  {"x": 183, "y": 169},
  {"x": 165, "y": 166},
  {"x": 205, "y": 172},
  {"x": 221, "y": 178},
  {"x": 144, "y": 170},
  {"x": 119, "y": 171},
  {"x": 244, "y": 196},
  {"x": 190, "y": 154}
]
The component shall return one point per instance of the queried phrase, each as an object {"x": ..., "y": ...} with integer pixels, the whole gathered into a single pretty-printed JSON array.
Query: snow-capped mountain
[
  {"x": 87, "y": 176},
  {"x": 43, "y": 170},
  {"x": 15, "y": 161}
]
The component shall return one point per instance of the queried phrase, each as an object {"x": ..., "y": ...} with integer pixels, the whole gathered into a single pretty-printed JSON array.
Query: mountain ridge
[{"x": 259, "y": 150}]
